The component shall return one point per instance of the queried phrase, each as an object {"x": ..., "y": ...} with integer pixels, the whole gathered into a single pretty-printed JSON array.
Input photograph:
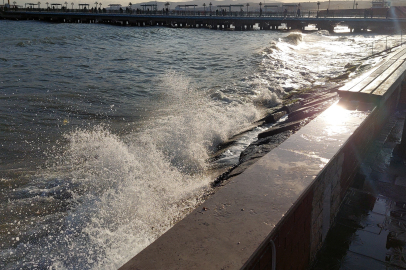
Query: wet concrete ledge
[
  {"x": 280, "y": 209},
  {"x": 276, "y": 214},
  {"x": 370, "y": 228}
]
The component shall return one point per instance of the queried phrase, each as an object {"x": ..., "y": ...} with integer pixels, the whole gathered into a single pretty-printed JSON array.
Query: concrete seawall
[{"x": 277, "y": 213}]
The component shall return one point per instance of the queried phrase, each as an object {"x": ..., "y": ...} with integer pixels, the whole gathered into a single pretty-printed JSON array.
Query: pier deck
[
  {"x": 213, "y": 22},
  {"x": 379, "y": 83}
]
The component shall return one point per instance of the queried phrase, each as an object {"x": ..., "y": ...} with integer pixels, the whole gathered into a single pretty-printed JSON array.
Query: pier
[
  {"x": 277, "y": 214},
  {"x": 238, "y": 21}
]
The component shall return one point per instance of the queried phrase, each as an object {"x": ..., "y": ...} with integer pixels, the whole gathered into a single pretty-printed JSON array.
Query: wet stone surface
[
  {"x": 298, "y": 115},
  {"x": 370, "y": 229}
]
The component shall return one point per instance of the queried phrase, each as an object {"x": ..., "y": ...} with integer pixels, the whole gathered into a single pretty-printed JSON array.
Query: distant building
[
  {"x": 289, "y": 7},
  {"x": 114, "y": 6},
  {"x": 379, "y": 4}
]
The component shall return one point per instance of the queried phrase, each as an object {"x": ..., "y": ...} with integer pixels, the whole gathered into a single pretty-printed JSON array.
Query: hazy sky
[{"x": 105, "y": 3}]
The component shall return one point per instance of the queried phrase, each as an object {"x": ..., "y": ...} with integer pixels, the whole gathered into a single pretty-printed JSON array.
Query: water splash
[
  {"x": 121, "y": 192},
  {"x": 294, "y": 38},
  {"x": 105, "y": 194}
]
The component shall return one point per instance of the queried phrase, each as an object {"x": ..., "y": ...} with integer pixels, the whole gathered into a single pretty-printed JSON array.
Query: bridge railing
[
  {"x": 354, "y": 13},
  {"x": 386, "y": 43},
  {"x": 341, "y": 13}
]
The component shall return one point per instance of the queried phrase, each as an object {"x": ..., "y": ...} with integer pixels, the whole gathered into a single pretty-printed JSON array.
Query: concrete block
[
  {"x": 274, "y": 117},
  {"x": 292, "y": 107}
]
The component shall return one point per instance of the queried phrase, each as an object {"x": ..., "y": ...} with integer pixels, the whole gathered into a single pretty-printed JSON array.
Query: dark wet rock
[
  {"x": 251, "y": 155},
  {"x": 243, "y": 166},
  {"x": 288, "y": 89},
  {"x": 312, "y": 108},
  {"x": 262, "y": 146},
  {"x": 306, "y": 107},
  {"x": 292, "y": 107},
  {"x": 321, "y": 98},
  {"x": 306, "y": 113},
  {"x": 279, "y": 128},
  {"x": 270, "y": 111},
  {"x": 274, "y": 117}
]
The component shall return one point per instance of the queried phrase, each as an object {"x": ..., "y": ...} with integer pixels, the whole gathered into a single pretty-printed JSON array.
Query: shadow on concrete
[{"x": 369, "y": 231}]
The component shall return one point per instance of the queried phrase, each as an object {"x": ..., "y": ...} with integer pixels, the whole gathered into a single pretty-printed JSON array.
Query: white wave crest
[{"x": 294, "y": 38}]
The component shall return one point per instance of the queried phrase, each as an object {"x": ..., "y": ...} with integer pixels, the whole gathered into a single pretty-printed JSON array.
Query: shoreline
[
  {"x": 304, "y": 108},
  {"x": 299, "y": 107}
]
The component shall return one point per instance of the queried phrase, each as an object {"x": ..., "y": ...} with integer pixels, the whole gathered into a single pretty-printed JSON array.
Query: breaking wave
[
  {"x": 294, "y": 38},
  {"x": 122, "y": 192}
]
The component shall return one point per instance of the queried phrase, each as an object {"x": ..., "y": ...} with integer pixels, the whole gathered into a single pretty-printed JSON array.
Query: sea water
[{"x": 107, "y": 132}]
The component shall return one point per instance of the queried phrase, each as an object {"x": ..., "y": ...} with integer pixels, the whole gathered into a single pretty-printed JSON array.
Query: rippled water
[{"x": 106, "y": 131}]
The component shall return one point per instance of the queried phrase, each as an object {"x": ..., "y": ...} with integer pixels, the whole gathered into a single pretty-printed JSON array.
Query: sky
[{"x": 105, "y": 3}]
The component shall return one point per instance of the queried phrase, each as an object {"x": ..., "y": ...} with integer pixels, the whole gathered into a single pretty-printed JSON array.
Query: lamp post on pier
[
  {"x": 204, "y": 8},
  {"x": 66, "y": 5},
  {"x": 39, "y": 5},
  {"x": 247, "y": 7},
  {"x": 96, "y": 4},
  {"x": 210, "y": 7},
  {"x": 72, "y": 5},
  {"x": 47, "y": 4},
  {"x": 260, "y": 9}
]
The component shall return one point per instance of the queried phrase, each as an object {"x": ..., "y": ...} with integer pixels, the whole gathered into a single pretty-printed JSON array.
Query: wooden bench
[{"x": 379, "y": 83}]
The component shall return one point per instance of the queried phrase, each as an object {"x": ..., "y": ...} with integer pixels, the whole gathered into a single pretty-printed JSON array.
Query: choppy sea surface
[{"x": 106, "y": 131}]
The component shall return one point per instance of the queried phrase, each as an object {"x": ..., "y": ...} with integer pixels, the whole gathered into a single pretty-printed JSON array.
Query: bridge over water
[{"x": 235, "y": 22}]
